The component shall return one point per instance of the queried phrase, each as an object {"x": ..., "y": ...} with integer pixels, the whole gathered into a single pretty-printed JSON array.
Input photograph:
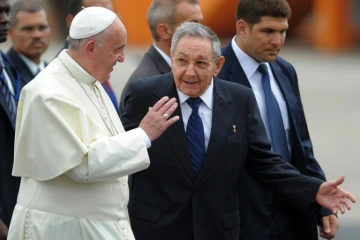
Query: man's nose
[
  {"x": 121, "y": 57},
  {"x": 190, "y": 71},
  {"x": 4, "y": 18},
  {"x": 277, "y": 39}
]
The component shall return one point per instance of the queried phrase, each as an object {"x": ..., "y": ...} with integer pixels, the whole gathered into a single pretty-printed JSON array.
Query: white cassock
[{"x": 74, "y": 172}]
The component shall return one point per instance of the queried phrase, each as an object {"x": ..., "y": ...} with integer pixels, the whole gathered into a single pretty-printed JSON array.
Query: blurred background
[{"x": 323, "y": 44}]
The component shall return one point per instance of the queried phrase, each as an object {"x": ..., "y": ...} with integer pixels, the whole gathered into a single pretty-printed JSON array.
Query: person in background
[
  {"x": 163, "y": 17},
  {"x": 10, "y": 85},
  {"x": 71, "y": 150},
  {"x": 30, "y": 35},
  {"x": 74, "y": 7},
  {"x": 191, "y": 189},
  {"x": 252, "y": 60}
]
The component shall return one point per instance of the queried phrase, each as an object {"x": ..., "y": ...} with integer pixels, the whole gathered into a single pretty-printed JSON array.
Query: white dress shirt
[
  {"x": 205, "y": 110},
  {"x": 250, "y": 66},
  {"x": 164, "y": 55}
]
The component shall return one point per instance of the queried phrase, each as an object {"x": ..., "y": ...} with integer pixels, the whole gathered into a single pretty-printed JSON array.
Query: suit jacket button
[
  {"x": 195, "y": 191},
  {"x": 268, "y": 196}
]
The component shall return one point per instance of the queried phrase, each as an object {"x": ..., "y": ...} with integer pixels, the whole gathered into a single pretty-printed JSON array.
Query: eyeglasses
[{"x": 184, "y": 62}]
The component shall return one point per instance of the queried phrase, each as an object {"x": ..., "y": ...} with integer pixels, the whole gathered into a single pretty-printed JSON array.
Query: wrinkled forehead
[{"x": 199, "y": 47}]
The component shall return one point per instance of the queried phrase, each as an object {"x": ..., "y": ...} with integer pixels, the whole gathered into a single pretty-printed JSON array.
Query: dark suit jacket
[
  {"x": 263, "y": 213},
  {"x": 9, "y": 185},
  {"x": 152, "y": 64},
  {"x": 26, "y": 74},
  {"x": 168, "y": 202}
]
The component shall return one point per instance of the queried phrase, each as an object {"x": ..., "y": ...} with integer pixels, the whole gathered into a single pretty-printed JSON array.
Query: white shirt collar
[
  {"x": 248, "y": 64},
  {"x": 164, "y": 55},
  {"x": 75, "y": 69},
  {"x": 34, "y": 68},
  {"x": 206, "y": 97}
]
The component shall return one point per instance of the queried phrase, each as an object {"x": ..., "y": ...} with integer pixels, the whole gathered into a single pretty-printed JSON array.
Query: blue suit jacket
[{"x": 263, "y": 213}]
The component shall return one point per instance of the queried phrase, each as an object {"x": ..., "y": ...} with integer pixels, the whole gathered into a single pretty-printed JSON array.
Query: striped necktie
[
  {"x": 276, "y": 124},
  {"x": 195, "y": 135},
  {"x": 9, "y": 98}
]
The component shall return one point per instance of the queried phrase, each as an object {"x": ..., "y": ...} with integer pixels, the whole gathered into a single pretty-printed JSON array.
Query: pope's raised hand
[{"x": 158, "y": 119}]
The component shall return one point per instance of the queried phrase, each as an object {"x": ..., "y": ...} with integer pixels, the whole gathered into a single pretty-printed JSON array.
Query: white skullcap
[{"x": 90, "y": 21}]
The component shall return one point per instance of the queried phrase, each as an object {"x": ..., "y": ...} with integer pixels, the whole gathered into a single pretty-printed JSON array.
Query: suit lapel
[
  {"x": 292, "y": 106},
  {"x": 176, "y": 133},
  {"x": 286, "y": 89},
  {"x": 161, "y": 64},
  {"x": 236, "y": 72},
  {"x": 26, "y": 74},
  {"x": 221, "y": 120}
]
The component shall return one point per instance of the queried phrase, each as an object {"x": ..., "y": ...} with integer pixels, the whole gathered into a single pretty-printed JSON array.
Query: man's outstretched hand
[{"x": 331, "y": 196}]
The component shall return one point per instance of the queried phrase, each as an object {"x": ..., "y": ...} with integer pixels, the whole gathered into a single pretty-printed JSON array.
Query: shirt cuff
[{"x": 146, "y": 138}]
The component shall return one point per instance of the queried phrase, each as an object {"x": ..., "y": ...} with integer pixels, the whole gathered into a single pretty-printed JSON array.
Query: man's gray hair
[
  {"x": 163, "y": 11},
  {"x": 100, "y": 38},
  {"x": 191, "y": 29}
]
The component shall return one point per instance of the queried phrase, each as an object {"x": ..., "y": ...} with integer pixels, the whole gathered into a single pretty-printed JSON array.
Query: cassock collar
[{"x": 75, "y": 69}]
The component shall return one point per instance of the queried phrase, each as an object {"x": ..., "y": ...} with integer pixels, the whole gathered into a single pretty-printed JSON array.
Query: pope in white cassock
[{"x": 71, "y": 149}]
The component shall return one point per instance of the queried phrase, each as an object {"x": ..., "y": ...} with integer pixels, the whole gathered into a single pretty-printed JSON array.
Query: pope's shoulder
[{"x": 51, "y": 81}]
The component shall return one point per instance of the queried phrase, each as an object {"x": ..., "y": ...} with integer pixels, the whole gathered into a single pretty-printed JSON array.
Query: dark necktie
[
  {"x": 9, "y": 98},
  {"x": 276, "y": 124},
  {"x": 195, "y": 135}
]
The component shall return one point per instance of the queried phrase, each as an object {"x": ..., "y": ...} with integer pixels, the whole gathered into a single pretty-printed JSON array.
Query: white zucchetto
[{"x": 90, "y": 21}]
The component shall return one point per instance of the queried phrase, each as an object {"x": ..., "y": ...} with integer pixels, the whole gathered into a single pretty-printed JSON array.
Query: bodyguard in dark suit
[
  {"x": 163, "y": 17},
  {"x": 261, "y": 29},
  {"x": 30, "y": 35},
  {"x": 9, "y": 89},
  {"x": 191, "y": 189},
  {"x": 26, "y": 74}
]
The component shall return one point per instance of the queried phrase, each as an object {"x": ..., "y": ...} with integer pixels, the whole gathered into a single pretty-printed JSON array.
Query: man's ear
[
  {"x": 219, "y": 63},
  {"x": 164, "y": 31},
  {"x": 241, "y": 27},
  {"x": 69, "y": 19},
  {"x": 90, "y": 49}
]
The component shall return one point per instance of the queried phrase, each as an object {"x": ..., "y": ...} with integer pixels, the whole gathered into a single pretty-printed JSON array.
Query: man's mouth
[
  {"x": 37, "y": 44},
  {"x": 190, "y": 81}
]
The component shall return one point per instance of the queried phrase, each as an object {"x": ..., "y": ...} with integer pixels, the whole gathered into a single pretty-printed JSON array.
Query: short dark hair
[
  {"x": 252, "y": 10},
  {"x": 74, "y": 7},
  {"x": 29, "y": 6}
]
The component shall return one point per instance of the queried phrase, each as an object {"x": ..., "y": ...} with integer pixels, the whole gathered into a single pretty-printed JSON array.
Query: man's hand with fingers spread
[
  {"x": 331, "y": 196},
  {"x": 158, "y": 119}
]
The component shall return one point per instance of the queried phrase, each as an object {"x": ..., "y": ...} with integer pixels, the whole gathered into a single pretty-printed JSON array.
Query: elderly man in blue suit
[{"x": 252, "y": 60}]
